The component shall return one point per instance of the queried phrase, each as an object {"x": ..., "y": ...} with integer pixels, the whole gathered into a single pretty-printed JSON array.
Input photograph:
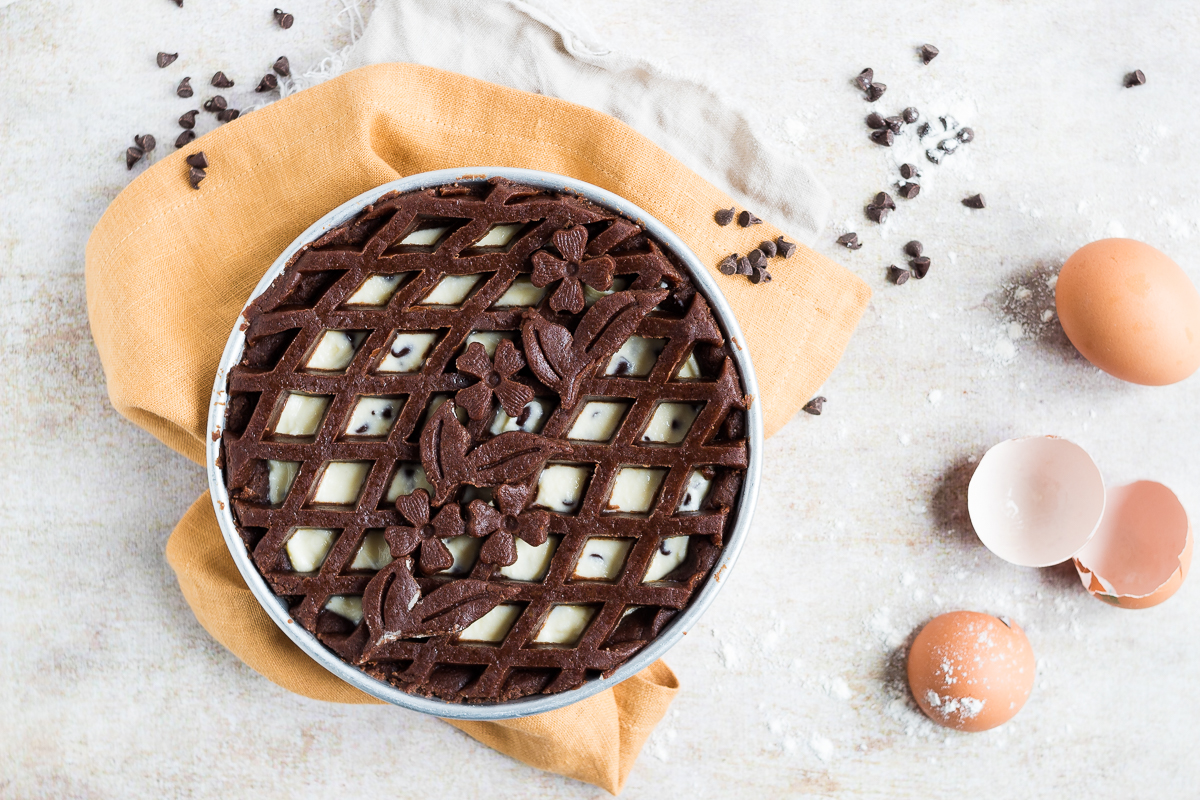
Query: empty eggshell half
[
  {"x": 1036, "y": 501},
  {"x": 1142, "y": 550}
]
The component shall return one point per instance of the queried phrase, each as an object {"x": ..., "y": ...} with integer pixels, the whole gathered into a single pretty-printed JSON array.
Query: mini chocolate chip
[
  {"x": 195, "y": 176},
  {"x": 188, "y": 119},
  {"x": 877, "y": 213},
  {"x": 884, "y": 137},
  {"x": 784, "y": 247},
  {"x": 728, "y": 265},
  {"x": 166, "y": 59},
  {"x": 623, "y": 367},
  {"x": 898, "y": 275},
  {"x": 966, "y": 135},
  {"x": 197, "y": 160},
  {"x": 908, "y": 171},
  {"x": 910, "y": 190},
  {"x": 910, "y": 115},
  {"x": 914, "y": 248},
  {"x": 282, "y": 67},
  {"x": 724, "y": 216},
  {"x": 269, "y": 83},
  {"x": 221, "y": 80},
  {"x": 884, "y": 200},
  {"x": 746, "y": 219},
  {"x": 875, "y": 91},
  {"x": 757, "y": 258},
  {"x": 865, "y": 78},
  {"x": 847, "y": 239},
  {"x": 524, "y": 416},
  {"x": 185, "y": 88},
  {"x": 402, "y": 352},
  {"x": 184, "y": 138},
  {"x": 215, "y": 103},
  {"x": 284, "y": 19},
  {"x": 760, "y": 275},
  {"x": 132, "y": 156},
  {"x": 928, "y": 53},
  {"x": 948, "y": 145},
  {"x": 814, "y": 406},
  {"x": 145, "y": 141},
  {"x": 855, "y": 245},
  {"x": 228, "y": 115},
  {"x": 361, "y": 428},
  {"x": 179, "y": 3},
  {"x": 743, "y": 266},
  {"x": 920, "y": 266},
  {"x": 894, "y": 124},
  {"x": 768, "y": 248},
  {"x": 935, "y": 156},
  {"x": 924, "y": 130},
  {"x": 975, "y": 201},
  {"x": 1135, "y": 78},
  {"x": 876, "y": 121}
]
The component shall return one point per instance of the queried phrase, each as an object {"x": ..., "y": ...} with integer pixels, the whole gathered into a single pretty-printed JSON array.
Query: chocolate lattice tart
[{"x": 485, "y": 440}]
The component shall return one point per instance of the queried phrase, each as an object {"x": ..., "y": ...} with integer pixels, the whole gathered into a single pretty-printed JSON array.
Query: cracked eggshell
[
  {"x": 1142, "y": 550},
  {"x": 971, "y": 671},
  {"x": 1035, "y": 501}
]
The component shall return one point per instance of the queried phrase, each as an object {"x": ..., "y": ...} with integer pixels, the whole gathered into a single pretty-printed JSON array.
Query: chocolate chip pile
[
  {"x": 485, "y": 440},
  {"x": 754, "y": 264}
]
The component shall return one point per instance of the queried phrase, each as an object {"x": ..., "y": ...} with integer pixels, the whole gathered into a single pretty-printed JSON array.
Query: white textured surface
[{"x": 792, "y": 684}]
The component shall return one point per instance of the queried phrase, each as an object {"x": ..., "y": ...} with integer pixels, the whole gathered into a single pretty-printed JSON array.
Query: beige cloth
[{"x": 169, "y": 269}]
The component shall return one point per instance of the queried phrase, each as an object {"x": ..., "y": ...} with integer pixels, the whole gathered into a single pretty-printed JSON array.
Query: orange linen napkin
[{"x": 169, "y": 269}]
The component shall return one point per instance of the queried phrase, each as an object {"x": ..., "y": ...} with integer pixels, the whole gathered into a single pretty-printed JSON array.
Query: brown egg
[
  {"x": 1131, "y": 311},
  {"x": 971, "y": 671}
]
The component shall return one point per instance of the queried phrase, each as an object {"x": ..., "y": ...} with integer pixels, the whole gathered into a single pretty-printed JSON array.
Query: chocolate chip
[
  {"x": 928, "y": 53},
  {"x": 195, "y": 176},
  {"x": 935, "y": 156},
  {"x": 362, "y": 428},
  {"x": 877, "y": 214},
  {"x": 743, "y": 266},
  {"x": 898, "y": 275},
  {"x": 221, "y": 80},
  {"x": 269, "y": 83},
  {"x": 166, "y": 59},
  {"x": 865, "y": 78},
  {"x": 948, "y": 122},
  {"x": 284, "y": 19},
  {"x": 757, "y": 258},
  {"x": 914, "y": 248},
  {"x": 179, "y": 3},
  {"x": 875, "y": 91},
  {"x": 910, "y": 115},
  {"x": 948, "y": 145},
  {"x": 228, "y": 115},
  {"x": 522, "y": 418},
  {"x": 908, "y": 171},
  {"x": 768, "y": 248},
  {"x": 145, "y": 141},
  {"x": 185, "y": 88},
  {"x": 920, "y": 266},
  {"x": 197, "y": 160},
  {"x": 884, "y": 200},
  {"x": 924, "y": 130},
  {"x": 282, "y": 67},
  {"x": 1135, "y": 78},
  {"x": 215, "y": 103},
  {"x": 188, "y": 119},
  {"x": 884, "y": 137},
  {"x": 784, "y": 247},
  {"x": 894, "y": 124},
  {"x": 975, "y": 201},
  {"x": 814, "y": 406},
  {"x": 746, "y": 219},
  {"x": 966, "y": 135},
  {"x": 876, "y": 121},
  {"x": 760, "y": 275},
  {"x": 910, "y": 190},
  {"x": 132, "y": 156},
  {"x": 728, "y": 265},
  {"x": 724, "y": 216},
  {"x": 184, "y": 138},
  {"x": 847, "y": 239}
]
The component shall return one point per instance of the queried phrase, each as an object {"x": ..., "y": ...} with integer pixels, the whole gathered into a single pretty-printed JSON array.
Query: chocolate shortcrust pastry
[{"x": 485, "y": 440}]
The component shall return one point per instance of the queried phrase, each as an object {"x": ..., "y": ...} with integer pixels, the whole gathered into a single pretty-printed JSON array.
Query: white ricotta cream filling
[
  {"x": 408, "y": 351},
  {"x": 408, "y": 477},
  {"x": 670, "y": 423},
  {"x": 451, "y": 290},
  {"x": 561, "y": 487},
  {"x": 695, "y": 492},
  {"x": 565, "y": 625},
  {"x": 280, "y": 475},
  {"x": 373, "y": 553},
  {"x": 521, "y": 292},
  {"x": 598, "y": 421},
  {"x": 308, "y": 547},
  {"x": 373, "y": 416},
  {"x": 377, "y": 290},
  {"x": 301, "y": 414},
  {"x": 634, "y": 489},
  {"x": 636, "y": 358},
  {"x": 670, "y": 554},
  {"x": 493, "y": 626},
  {"x": 602, "y": 559},
  {"x": 346, "y": 605},
  {"x": 531, "y": 419},
  {"x": 532, "y": 563},
  {"x": 341, "y": 482}
]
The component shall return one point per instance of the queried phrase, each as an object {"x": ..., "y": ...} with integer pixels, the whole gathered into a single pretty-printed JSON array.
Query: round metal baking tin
[{"x": 277, "y": 609}]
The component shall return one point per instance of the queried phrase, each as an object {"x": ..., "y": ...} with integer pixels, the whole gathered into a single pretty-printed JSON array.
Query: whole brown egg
[{"x": 1131, "y": 311}]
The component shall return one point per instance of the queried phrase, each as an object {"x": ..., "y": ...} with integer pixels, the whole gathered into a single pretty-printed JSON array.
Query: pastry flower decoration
[
  {"x": 572, "y": 269},
  {"x": 424, "y": 533},
  {"x": 495, "y": 378},
  {"x": 500, "y": 526}
]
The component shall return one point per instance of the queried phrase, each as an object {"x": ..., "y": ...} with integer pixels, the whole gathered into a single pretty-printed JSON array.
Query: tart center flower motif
[
  {"x": 495, "y": 378},
  {"x": 500, "y": 526},
  {"x": 425, "y": 534},
  {"x": 572, "y": 269}
]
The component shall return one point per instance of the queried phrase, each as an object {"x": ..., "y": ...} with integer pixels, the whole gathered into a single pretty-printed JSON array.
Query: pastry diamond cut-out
[
  {"x": 636, "y": 358},
  {"x": 301, "y": 414},
  {"x": 335, "y": 350},
  {"x": 377, "y": 290},
  {"x": 670, "y": 423},
  {"x": 598, "y": 421},
  {"x": 561, "y": 487},
  {"x": 452, "y": 290},
  {"x": 408, "y": 351},
  {"x": 635, "y": 489},
  {"x": 374, "y": 416},
  {"x": 602, "y": 559},
  {"x": 565, "y": 625},
  {"x": 341, "y": 482}
]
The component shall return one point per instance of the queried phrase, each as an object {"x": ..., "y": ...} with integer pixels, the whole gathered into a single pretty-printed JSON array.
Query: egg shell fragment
[
  {"x": 971, "y": 671},
  {"x": 1131, "y": 311},
  {"x": 1142, "y": 550},
  {"x": 1035, "y": 501}
]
